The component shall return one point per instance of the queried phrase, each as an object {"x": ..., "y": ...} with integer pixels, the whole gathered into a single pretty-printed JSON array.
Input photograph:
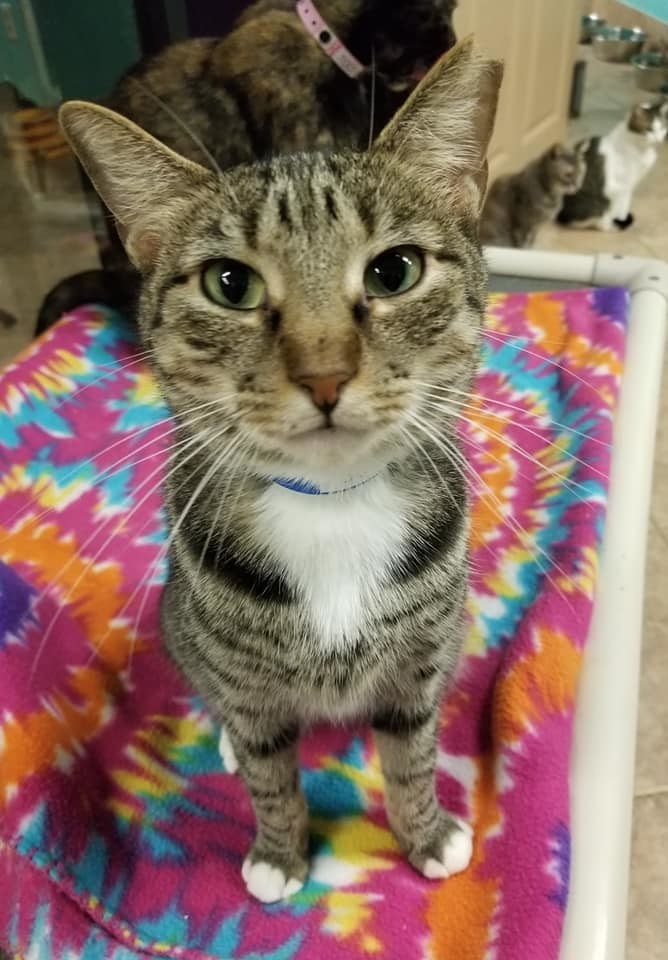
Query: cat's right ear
[
  {"x": 141, "y": 181},
  {"x": 443, "y": 130}
]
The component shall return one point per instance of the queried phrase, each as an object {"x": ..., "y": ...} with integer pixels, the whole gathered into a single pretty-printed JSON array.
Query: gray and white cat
[
  {"x": 307, "y": 318},
  {"x": 616, "y": 163},
  {"x": 517, "y": 205}
]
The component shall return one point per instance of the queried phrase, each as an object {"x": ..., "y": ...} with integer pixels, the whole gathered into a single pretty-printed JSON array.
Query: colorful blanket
[{"x": 120, "y": 834}]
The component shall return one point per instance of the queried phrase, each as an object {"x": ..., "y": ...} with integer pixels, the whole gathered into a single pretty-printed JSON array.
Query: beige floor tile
[
  {"x": 652, "y": 738},
  {"x": 660, "y": 501},
  {"x": 647, "y": 934},
  {"x": 630, "y": 243},
  {"x": 650, "y": 207},
  {"x": 662, "y": 426}
]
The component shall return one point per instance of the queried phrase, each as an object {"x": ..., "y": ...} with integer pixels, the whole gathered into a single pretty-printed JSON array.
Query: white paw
[
  {"x": 227, "y": 754},
  {"x": 268, "y": 884},
  {"x": 457, "y": 851}
]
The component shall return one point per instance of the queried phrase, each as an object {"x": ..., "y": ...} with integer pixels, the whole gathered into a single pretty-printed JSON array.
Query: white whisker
[
  {"x": 523, "y": 535},
  {"x": 162, "y": 553},
  {"x": 199, "y": 439},
  {"x": 482, "y": 401},
  {"x": 505, "y": 339},
  {"x": 477, "y": 424},
  {"x": 181, "y": 123},
  {"x": 123, "y": 462}
]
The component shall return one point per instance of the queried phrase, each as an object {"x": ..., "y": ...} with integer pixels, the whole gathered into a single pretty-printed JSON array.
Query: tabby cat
[
  {"x": 616, "y": 163},
  {"x": 519, "y": 204},
  {"x": 269, "y": 88},
  {"x": 315, "y": 310}
]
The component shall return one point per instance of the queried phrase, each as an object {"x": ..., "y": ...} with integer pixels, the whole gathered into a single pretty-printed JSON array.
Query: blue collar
[{"x": 312, "y": 489}]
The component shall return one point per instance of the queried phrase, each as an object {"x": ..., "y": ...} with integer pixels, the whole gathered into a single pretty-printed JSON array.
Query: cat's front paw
[
  {"x": 448, "y": 853},
  {"x": 227, "y": 753},
  {"x": 270, "y": 881},
  {"x": 625, "y": 222}
]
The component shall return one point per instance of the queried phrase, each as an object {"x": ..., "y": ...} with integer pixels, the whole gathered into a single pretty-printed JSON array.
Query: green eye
[
  {"x": 393, "y": 272},
  {"x": 234, "y": 285}
]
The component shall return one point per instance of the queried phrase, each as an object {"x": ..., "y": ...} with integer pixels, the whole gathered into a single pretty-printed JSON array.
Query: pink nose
[{"x": 325, "y": 391}]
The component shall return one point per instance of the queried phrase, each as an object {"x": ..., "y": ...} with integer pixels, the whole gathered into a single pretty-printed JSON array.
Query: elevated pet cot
[
  {"x": 120, "y": 835},
  {"x": 602, "y": 766}
]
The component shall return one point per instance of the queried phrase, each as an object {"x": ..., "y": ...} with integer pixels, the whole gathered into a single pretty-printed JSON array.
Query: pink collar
[{"x": 327, "y": 40}]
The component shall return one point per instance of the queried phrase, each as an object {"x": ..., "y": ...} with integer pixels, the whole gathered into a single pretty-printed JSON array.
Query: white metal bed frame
[{"x": 603, "y": 759}]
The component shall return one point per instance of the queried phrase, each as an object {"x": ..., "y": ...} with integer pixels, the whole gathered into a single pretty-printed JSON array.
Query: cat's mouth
[
  {"x": 328, "y": 441},
  {"x": 327, "y": 428}
]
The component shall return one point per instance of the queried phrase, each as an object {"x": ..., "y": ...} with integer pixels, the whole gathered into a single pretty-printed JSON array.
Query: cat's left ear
[
  {"x": 443, "y": 130},
  {"x": 141, "y": 181}
]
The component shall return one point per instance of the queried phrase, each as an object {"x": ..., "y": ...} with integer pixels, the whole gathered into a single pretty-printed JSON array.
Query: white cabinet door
[{"x": 537, "y": 39}]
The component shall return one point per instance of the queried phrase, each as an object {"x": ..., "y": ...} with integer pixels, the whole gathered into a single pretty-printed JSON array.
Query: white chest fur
[
  {"x": 628, "y": 158},
  {"x": 335, "y": 551}
]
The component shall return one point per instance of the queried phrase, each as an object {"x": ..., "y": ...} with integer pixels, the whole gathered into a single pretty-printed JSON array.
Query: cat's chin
[
  {"x": 329, "y": 446},
  {"x": 326, "y": 456}
]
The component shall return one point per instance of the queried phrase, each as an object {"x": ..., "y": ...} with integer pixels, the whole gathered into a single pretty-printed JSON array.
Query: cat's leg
[
  {"x": 621, "y": 208},
  {"x": 226, "y": 751},
  {"x": 436, "y": 843},
  {"x": 277, "y": 864}
]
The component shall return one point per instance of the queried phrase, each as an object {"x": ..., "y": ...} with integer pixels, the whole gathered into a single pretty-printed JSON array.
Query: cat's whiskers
[
  {"x": 372, "y": 112},
  {"x": 164, "y": 549},
  {"x": 476, "y": 424},
  {"x": 477, "y": 399},
  {"x": 125, "y": 461},
  {"x": 200, "y": 439},
  {"x": 113, "y": 370},
  {"x": 433, "y": 405},
  {"x": 236, "y": 442},
  {"x": 250, "y": 465},
  {"x": 413, "y": 443},
  {"x": 506, "y": 340},
  {"x": 491, "y": 324},
  {"x": 437, "y": 402},
  {"x": 523, "y": 535},
  {"x": 237, "y": 448}
]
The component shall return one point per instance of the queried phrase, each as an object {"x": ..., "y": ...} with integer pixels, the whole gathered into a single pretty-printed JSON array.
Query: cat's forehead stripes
[{"x": 303, "y": 205}]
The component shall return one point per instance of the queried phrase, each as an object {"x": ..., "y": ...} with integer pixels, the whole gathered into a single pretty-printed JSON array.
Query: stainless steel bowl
[
  {"x": 651, "y": 71},
  {"x": 618, "y": 44},
  {"x": 589, "y": 25}
]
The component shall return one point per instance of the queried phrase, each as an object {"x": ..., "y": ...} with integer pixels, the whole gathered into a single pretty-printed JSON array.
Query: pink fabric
[{"x": 121, "y": 836}]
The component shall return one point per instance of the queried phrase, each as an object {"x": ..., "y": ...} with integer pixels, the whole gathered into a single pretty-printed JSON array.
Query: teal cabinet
[{"x": 53, "y": 50}]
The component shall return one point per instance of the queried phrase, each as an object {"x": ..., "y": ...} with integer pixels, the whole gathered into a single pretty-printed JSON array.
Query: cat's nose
[{"x": 325, "y": 390}]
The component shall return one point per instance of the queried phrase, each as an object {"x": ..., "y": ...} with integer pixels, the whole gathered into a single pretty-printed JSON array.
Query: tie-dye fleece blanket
[{"x": 120, "y": 834}]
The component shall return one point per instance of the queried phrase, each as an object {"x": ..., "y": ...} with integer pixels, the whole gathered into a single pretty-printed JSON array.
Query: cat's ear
[
  {"x": 141, "y": 181},
  {"x": 444, "y": 128}
]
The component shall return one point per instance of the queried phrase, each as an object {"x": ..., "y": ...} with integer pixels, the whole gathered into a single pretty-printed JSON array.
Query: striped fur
[{"x": 281, "y": 608}]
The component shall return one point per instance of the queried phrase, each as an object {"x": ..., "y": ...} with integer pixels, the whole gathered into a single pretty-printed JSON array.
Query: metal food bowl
[
  {"x": 651, "y": 71},
  {"x": 589, "y": 25},
  {"x": 618, "y": 44}
]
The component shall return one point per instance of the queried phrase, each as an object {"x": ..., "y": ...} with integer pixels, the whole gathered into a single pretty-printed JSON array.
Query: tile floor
[{"x": 40, "y": 240}]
